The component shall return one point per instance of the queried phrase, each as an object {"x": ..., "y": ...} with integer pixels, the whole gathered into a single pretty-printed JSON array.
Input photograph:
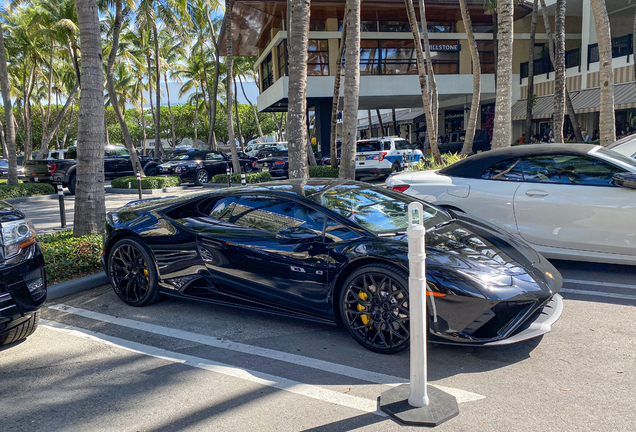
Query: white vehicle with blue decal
[{"x": 383, "y": 156}]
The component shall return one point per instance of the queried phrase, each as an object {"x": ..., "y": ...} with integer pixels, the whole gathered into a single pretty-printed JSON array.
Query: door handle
[{"x": 536, "y": 192}]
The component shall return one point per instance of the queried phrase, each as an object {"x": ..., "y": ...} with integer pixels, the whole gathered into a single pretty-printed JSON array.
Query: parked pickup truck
[{"x": 116, "y": 164}]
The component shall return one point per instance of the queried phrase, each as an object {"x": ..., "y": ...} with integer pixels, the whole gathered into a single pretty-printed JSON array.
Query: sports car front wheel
[
  {"x": 374, "y": 305},
  {"x": 132, "y": 273}
]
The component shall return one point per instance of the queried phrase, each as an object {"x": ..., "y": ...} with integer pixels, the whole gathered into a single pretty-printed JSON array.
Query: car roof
[
  {"x": 296, "y": 187},
  {"x": 474, "y": 166}
]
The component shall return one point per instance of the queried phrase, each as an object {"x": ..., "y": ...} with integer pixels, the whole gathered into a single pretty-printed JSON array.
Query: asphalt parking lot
[{"x": 96, "y": 364}]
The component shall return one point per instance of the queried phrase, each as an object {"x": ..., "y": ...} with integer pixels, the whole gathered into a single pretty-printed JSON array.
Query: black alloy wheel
[
  {"x": 248, "y": 168},
  {"x": 201, "y": 177},
  {"x": 396, "y": 167},
  {"x": 132, "y": 273},
  {"x": 374, "y": 305}
]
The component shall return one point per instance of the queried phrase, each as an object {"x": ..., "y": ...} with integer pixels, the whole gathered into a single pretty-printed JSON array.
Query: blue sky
[{"x": 250, "y": 89}]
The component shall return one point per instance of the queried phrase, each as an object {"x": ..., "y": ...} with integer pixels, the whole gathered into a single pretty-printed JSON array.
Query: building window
[
  {"x": 365, "y": 26},
  {"x": 398, "y": 57},
  {"x": 268, "y": 72},
  {"x": 282, "y": 59},
  {"x": 440, "y": 27},
  {"x": 318, "y": 57},
  {"x": 395, "y": 26},
  {"x": 486, "y": 56},
  {"x": 369, "y": 57},
  {"x": 445, "y": 62},
  {"x": 317, "y": 25}
]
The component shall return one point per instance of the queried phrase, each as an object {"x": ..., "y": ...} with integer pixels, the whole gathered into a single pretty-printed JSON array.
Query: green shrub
[
  {"x": 322, "y": 171},
  {"x": 250, "y": 178},
  {"x": 4, "y": 181},
  {"x": 67, "y": 257},
  {"x": 25, "y": 190},
  {"x": 428, "y": 163},
  {"x": 159, "y": 182}
]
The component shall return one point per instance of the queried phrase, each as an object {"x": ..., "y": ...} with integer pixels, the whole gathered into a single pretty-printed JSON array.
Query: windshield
[
  {"x": 614, "y": 156},
  {"x": 182, "y": 157},
  {"x": 3, "y": 163},
  {"x": 378, "y": 210}
]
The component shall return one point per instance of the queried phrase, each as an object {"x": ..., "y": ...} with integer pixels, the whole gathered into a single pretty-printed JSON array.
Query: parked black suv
[
  {"x": 22, "y": 278},
  {"x": 454, "y": 142},
  {"x": 199, "y": 167}
]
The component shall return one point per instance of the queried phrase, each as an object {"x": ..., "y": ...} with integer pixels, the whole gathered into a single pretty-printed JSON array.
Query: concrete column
[
  {"x": 588, "y": 37},
  {"x": 322, "y": 109}
]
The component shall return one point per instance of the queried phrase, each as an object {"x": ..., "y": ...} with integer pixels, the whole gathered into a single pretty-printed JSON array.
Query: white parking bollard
[{"x": 417, "y": 304}]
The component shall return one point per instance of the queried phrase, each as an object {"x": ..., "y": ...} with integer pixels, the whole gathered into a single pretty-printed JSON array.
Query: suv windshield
[
  {"x": 378, "y": 210},
  {"x": 368, "y": 146}
]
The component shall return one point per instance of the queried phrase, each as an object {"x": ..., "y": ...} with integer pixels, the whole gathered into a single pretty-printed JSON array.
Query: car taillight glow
[
  {"x": 51, "y": 168},
  {"x": 255, "y": 164},
  {"x": 177, "y": 170},
  {"x": 279, "y": 163},
  {"x": 400, "y": 188},
  {"x": 382, "y": 154}
]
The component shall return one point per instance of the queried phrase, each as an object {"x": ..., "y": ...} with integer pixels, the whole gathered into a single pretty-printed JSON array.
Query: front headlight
[{"x": 16, "y": 235}]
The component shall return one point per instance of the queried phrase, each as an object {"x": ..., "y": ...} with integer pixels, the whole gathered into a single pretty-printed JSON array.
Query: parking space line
[
  {"x": 595, "y": 283},
  {"x": 598, "y": 294},
  {"x": 311, "y": 391},
  {"x": 322, "y": 365}
]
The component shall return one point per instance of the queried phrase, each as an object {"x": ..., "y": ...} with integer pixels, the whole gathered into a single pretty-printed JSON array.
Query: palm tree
[
  {"x": 244, "y": 67},
  {"x": 192, "y": 73},
  {"x": 474, "y": 104},
  {"x": 530, "y": 97},
  {"x": 172, "y": 52},
  {"x": 607, "y": 126},
  {"x": 336, "y": 99},
  {"x": 90, "y": 209},
  {"x": 432, "y": 83},
  {"x": 9, "y": 136},
  {"x": 428, "y": 112},
  {"x": 230, "y": 74},
  {"x": 559, "y": 72},
  {"x": 351, "y": 91},
  {"x": 501, "y": 135}
]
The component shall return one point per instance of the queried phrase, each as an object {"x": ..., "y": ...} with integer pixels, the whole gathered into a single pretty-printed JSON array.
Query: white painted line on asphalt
[
  {"x": 314, "y": 392},
  {"x": 598, "y": 294},
  {"x": 605, "y": 284},
  {"x": 322, "y": 365}
]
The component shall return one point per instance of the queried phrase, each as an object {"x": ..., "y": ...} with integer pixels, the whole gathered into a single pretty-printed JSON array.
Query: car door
[
  {"x": 249, "y": 258},
  {"x": 215, "y": 163},
  {"x": 570, "y": 202}
]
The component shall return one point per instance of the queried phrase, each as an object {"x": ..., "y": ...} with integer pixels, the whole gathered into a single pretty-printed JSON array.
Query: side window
[
  {"x": 221, "y": 209},
  {"x": 510, "y": 170},
  {"x": 72, "y": 153},
  {"x": 214, "y": 156},
  {"x": 337, "y": 232},
  {"x": 274, "y": 215},
  {"x": 402, "y": 145},
  {"x": 566, "y": 169}
]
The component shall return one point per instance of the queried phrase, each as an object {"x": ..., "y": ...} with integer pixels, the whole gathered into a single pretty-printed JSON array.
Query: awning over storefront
[
  {"x": 401, "y": 117},
  {"x": 584, "y": 101}
]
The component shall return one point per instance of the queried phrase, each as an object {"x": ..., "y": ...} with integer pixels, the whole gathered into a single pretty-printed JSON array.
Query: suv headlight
[{"x": 16, "y": 235}]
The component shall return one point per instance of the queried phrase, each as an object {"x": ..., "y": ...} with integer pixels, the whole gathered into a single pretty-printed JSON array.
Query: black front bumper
[
  {"x": 17, "y": 301},
  {"x": 372, "y": 172}
]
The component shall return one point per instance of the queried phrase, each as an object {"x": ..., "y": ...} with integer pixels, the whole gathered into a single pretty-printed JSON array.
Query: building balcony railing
[{"x": 621, "y": 46}]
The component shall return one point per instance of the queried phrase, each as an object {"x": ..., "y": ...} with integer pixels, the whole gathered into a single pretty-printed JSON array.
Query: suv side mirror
[
  {"x": 625, "y": 180},
  {"x": 295, "y": 235}
]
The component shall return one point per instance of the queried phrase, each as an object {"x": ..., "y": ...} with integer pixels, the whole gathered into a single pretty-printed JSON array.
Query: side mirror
[
  {"x": 625, "y": 180},
  {"x": 295, "y": 235}
]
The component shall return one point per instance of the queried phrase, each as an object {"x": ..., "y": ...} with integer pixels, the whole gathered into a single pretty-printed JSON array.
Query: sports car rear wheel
[
  {"x": 374, "y": 305},
  {"x": 132, "y": 273}
]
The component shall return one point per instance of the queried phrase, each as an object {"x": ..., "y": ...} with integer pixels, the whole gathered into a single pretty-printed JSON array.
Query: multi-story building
[{"x": 388, "y": 68}]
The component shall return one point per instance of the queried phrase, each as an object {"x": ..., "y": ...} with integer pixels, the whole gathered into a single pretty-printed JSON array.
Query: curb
[
  {"x": 33, "y": 198},
  {"x": 143, "y": 191},
  {"x": 76, "y": 285},
  {"x": 220, "y": 185}
]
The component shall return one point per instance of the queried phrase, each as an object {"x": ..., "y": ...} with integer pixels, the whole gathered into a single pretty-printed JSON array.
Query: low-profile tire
[
  {"x": 132, "y": 273},
  {"x": 71, "y": 184},
  {"x": 22, "y": 331},
  {"x": 374, "y": 306},
  {"x": 201, "y": 177},
  {"x": 396, "y": 167}
]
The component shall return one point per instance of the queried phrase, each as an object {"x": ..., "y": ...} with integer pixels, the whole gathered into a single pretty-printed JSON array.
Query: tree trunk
[
  {"x": 530, "y": 98},
  {"x": 68, "y": 126},
  {"x": 428, "y": 112},
  {"x": 196, "y": 117},
  {"x": 634, "y": 47},
  {"x": 229, "y": 62},
  {"x": 57, "y": 133},
  {"x": 396, "y": 128},
  {"x": 45, "y": 120},
  {"x": 432, "y": 83},
  {"x": 158, "y": 145},
  {"x": 152, "y": 104},
  {"x": 568, "y": 101},
  {"x": 495, "y": 44},
  {"x": 377, "y": 112},
  {"x": 90, "y": 209},
  {"x": 174, "y": 135},
  {"x": 279, "y": 126},
  {"x": 47, "y": 139},
  {"x": 143, "y": 119},
  {"x": 333, "y": 137},
  {"x": 607, "y": 125},
  {"x": 217, "y": 56},
  {"x": 241, "y": 139},
  {"x": 503, "y": 120},
  {"x": 297, "y": 127},
  {"x": 28, "y": 127},
  {"x": 559, "y": 72},
  {"x": 475, "y": 102},
  {"x": 351, "y": 91},
  {"x": 5, "y": 150},
  {"x": 9, "y": 135},
  {"x": 311, "y": 157},
  {"x": 258, "y": 123},
  {"x": 370, "y": 125},
  {"x": 207, "y": 83}
]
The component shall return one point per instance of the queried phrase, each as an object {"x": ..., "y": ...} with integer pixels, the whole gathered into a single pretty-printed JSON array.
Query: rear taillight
[
  {"x": 279, "y": 163},
  {"x": 400, "y": 188},
  {"x": 177, "y": 170},
  {"x": 51, "y": 168},
  {"x": 382, "y": 154},
  {"x": 254, "y": 164}
]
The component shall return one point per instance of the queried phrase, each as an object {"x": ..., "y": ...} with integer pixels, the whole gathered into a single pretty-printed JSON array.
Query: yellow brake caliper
[{"x": 364, "y": 317}]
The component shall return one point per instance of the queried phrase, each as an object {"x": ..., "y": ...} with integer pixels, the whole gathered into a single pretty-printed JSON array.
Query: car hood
[
  {"x": 173, "y": 164},
  {"x": 9, "y": 213}
]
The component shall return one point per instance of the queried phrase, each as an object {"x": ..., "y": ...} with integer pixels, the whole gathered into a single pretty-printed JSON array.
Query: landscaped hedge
[
  {"x": 67, "y": 257},
  {"x": 322, "y": 171},
  {"x": 146, "y": 182},
  {"x": 25, "y": 190},
  {"x": 4, "y": 181},
  {"x": 428, "y": 163},
  {"x": 251, "y": 178}
]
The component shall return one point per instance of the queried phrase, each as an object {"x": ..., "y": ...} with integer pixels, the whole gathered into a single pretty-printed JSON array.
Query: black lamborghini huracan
[{"x": 333, "y": 251}]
